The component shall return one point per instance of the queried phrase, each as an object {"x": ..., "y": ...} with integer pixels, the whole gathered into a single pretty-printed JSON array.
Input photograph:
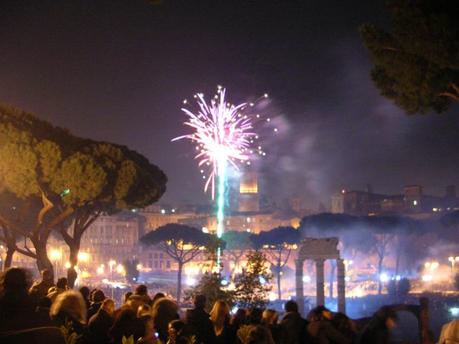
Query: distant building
[
  {"x": 413, "y": 201},
  {"x": 112, "y": 237},
  {"x": 249, "y": 199}
]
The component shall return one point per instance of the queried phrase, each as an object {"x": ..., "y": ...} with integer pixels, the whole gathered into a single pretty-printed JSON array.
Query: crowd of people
[{"x": 53, "y": 313}]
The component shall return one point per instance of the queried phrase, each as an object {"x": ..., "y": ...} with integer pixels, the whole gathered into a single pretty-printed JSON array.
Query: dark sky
[{"x": 118, "y": 71}]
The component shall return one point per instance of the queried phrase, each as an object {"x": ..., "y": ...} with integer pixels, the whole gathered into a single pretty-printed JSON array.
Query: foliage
[
  {"x": 211, "y": 285},
  {"x": 237, "y": 244},
  {"x": 399, "y": 288},
  {"x": 416, "y": 64},
  {"x": 252, "y": 284},
  {"x": 180, "y": 242},
  {"x": 404, "y": 286},
  {"x": 277, "y": 242},
  {"x": 132, "y": 272},
  {"x": 55, "y": 179},
  {"x": 392, "y": 288}
]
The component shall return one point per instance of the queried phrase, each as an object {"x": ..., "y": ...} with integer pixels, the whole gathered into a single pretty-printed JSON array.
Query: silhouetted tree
[
  {"x": 278, "y": 244},
  {"x": 132, "y": 271},
  {"x": 213, "y": 286},
  {"x": 252, "y": 284},
  {"x": 58, "y": 182},
  {"x": 237, "y": 244},
  {"x": 180, "y": 242},
  {"x": 416, "y": 64}
]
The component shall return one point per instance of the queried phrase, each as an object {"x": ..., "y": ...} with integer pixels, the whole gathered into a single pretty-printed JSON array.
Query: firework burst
[{"x": 223, "y": 134}]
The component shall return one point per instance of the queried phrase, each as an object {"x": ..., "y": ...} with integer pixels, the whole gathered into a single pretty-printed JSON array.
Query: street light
[
  {"x": 55, "y": 255},
  {"x": 453, "y": 261}
]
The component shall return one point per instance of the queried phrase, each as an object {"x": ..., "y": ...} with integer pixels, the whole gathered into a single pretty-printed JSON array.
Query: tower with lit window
[{"x": 248, "y": 199}]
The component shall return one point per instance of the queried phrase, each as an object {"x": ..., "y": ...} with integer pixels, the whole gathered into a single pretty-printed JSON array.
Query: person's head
[
  {"x": 126, "y": 296},
  {"x": 269, "y": 317},
  {"x": 219, "y": 313},
  {"x": 125, "y": 324},
  {"x": 320, "y": 313},
  {"x": 98, "y": 296},
  {"x": 291, "y": 306},
  {"x": 61, "y": 283},
  {"x": 143, "y": 310},
  {"x": 200, "y": 301},
  {"x": 70, "y": 304},
  {"x": 255, "y": 316},
  {"x": 135, "y": 301},
  {"x": 46, "y": 275},
  {"x": 84, "y": 292},
  {"x": 108, "y": 305},
  {"x": 157, "y": 297},
  {"x": 14, "y": 281},
  {"x": 240, "y": 317},
  {"x": 141, "y": 290},
  {"x": 164, "y": 311},
  {"x": 388, "y": 316},
  {"x": 175, "y": 328},
  {"x": 260, "y": 335}
]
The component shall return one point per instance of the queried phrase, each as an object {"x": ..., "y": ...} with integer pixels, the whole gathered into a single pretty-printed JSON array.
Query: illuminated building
[{"x": 248, "y": 199}]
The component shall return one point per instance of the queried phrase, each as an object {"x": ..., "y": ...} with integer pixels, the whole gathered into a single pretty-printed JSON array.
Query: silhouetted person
[
  {"x": 40, "y": 289},
  {"x": 17, "y": 311},
  {"x": 322, "y": 330},
  {"x": 69, "y": 312},
  {"x": 142, "y": 291},
  {"x": 293, "y": 325},
  {"x": 98, "y": 297},
  {"x": 199, "y": 322},
  {"x": 85, "y": 293},
  {"x": 220, "y": 317},
  {"x": 101, "y": 322},
  {"x": 61, "y": 286},
  {"x": 377, "y": 331},
  {"x": 125, "y": 325},
  {"x": 164, "y": 311},
  {"x": 269, "y": 320}
]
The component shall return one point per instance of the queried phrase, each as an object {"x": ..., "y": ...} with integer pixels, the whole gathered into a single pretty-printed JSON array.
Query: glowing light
[
  {"x": 384, "y": 277},
  {"x": 427, "y": 278},
  {"x": 100, "y": 270},
  {"x": 67, "y": 265},
  {"x": 307, "y": 279},
  {"x": 83, "y": 257},
  {"x": 55, "y": 255},
  {"x": 454, "y": 311}
]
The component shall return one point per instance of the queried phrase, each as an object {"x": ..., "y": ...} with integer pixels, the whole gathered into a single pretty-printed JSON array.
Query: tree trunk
[
  {"x": 8, "y": 258},
  {"x": 279, "y": 292},
  {"x": 73, "y": 260},
  {"x": 43, "y": 262},
  {"x": 380, "y": 261},
  {"x": 179, "y": 281}
]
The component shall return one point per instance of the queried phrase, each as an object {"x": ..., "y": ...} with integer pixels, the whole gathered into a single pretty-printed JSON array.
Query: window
[
  {"x": 156, "y": 255},
  {"x": 156, "y": 264},
  {"x": 168, "y": 264},
  {"x": 161, "y": 256}
]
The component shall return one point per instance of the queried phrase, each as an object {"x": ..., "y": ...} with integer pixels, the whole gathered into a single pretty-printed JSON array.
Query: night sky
[{"x": 119, "y": 70}]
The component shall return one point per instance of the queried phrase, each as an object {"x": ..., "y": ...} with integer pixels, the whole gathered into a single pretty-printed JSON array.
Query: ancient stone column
[
  {"x": 320, "y": 293},
  {"x": 299, "y": 285},
  {"x": 341, "y": 275}
]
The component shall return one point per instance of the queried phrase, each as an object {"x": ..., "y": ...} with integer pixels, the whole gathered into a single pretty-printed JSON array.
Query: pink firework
[{"x": 223, "y": 134}]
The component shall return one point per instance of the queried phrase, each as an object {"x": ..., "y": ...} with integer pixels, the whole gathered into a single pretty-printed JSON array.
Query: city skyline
[{"x": 130, "y": 65}]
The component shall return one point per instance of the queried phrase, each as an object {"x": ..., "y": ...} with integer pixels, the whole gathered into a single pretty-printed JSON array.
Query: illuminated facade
[{"x": 248, "y": 199}]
